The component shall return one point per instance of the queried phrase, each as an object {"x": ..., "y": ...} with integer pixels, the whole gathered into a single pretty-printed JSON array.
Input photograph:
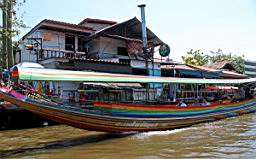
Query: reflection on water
[{"x": 229, "y": 138}]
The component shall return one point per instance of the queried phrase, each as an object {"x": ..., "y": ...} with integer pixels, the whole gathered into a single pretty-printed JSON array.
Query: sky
[{"x": 203, "y": 25}]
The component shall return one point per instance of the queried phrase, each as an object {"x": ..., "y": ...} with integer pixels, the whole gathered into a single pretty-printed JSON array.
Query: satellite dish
[{"x": 164, "y": 50}]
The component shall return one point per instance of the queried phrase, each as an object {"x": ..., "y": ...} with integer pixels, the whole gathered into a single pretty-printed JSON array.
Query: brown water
[{"x": 229, "y": 138}]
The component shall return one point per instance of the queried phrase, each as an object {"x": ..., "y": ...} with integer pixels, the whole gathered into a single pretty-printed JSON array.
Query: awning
[{"x": 130, "y": 29}]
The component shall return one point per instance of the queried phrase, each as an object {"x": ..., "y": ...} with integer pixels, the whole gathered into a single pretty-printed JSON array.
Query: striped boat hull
[{"x": 118, "y": 117}]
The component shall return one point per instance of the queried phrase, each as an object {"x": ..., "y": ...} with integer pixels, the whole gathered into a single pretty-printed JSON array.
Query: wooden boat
[{"x": 120, "y": 117}]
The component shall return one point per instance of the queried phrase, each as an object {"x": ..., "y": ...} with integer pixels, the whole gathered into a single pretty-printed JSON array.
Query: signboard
[{"x": 164, "y": 50}]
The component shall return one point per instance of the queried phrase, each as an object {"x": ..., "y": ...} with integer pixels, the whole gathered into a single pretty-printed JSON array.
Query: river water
[{"x": 228, "y": 138}]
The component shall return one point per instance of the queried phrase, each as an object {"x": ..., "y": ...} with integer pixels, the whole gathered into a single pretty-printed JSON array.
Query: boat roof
[
  {"x": 201, "y": 71},
  {"x": 41, "y": 74}
]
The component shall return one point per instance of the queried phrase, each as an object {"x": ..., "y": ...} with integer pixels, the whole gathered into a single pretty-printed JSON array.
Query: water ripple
[{"x": 229, "y": 138}]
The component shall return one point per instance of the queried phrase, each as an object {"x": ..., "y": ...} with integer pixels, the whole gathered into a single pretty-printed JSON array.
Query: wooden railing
[{"x": 50, "y": 53}]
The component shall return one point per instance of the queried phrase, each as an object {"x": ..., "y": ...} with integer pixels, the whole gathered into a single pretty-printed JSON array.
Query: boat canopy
[{"x": 41, "y": 74}]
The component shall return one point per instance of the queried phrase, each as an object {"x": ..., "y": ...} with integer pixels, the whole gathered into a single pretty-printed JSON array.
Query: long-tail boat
[{"x": 120, "y": 117}]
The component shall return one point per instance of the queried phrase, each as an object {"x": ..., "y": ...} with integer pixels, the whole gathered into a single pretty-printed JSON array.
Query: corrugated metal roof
[
  {"x": 133, "y": 30},
  {"x": 220, "y": 73},
  {"x": 216, "y": 65},
  {"x": 99, "y": 21},
  {"x": 178, "y": 67}
]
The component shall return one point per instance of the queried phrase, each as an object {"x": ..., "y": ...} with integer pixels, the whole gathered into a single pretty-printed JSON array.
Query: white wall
[
  {"x": 142, "y": 64},
  {"x": 109, "y": 45},
  {"x": 27, "y": 55},
  {"x": 104, "y": 45},
  {"x": 53, "y": 40}
]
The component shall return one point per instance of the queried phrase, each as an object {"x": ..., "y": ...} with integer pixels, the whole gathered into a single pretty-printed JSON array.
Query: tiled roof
[
  {"x": 58, "y": 25},
  {"x": 107, "y": 61},
  {"x": 66, "y": 24}
]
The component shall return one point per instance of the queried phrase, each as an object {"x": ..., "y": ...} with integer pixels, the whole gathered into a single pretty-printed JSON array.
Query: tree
[
  {"x": 236, "y": 61},
  {"x": 17, "y": 17},
  {"x": 198, "y": 58},
  {"x": 17, "y": 21},
  {"x": 12, "y": 24}
]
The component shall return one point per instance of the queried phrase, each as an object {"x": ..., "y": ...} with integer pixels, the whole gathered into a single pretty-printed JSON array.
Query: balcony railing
[{"x": 50, "y": 53}]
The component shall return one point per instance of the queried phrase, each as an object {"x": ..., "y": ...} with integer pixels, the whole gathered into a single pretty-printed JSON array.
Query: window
[
  {"x": 122, "y": 51},
  {"x": 82, "y": 44},
  {"x": 70, "y": 42}
]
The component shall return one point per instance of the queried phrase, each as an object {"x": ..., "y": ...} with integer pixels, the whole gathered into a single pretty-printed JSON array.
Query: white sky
[{"x": 183, "y": 24}]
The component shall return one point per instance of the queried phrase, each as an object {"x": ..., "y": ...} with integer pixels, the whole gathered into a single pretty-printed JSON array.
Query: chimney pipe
[{"x": 144, "y": 28}]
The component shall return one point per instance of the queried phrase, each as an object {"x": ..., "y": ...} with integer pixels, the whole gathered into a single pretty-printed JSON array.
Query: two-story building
[{"x": 92, "y": 45}]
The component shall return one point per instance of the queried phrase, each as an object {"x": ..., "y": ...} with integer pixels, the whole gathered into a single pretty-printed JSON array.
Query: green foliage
[
  {"x": 198, "y": 58},
  {"x": 236, "y": 61},
  {"x": 17, "y": 18}
]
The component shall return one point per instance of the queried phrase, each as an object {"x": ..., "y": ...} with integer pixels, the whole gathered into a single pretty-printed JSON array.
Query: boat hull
[{"x": 129, "y": 121}]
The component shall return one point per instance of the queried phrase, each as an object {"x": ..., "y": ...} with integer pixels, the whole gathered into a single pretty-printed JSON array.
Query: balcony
[{"x": 62, "y": 54}]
